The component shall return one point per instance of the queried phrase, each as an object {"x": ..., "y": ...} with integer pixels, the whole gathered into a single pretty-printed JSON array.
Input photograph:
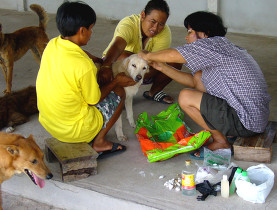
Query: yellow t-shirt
[
  {"x": 66, "y": 87},
  {"x": 129, "y": 29}
]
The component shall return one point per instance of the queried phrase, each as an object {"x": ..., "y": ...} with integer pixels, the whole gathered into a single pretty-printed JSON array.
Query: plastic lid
[
  {"x": 244, "y": 173},
  {"x": 224, "y": 177},
  {"x": 188, "y": 162},
  {"x": 239, "y": 170}
]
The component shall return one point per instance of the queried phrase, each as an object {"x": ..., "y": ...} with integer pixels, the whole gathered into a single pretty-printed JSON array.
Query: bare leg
[
  {"x": 190, "y": 101},
  {"x": 100, "y": 144}
]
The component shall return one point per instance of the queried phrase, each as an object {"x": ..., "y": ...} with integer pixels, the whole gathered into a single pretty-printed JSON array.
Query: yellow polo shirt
[
  {"x": 130, "y": 30},
  {"x": 66, "y": 85}
]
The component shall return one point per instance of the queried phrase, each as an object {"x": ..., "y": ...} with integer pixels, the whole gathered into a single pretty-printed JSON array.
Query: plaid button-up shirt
[{"x": 230, "y": 73}]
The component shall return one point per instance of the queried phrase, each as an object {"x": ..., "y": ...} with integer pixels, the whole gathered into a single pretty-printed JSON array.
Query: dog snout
[
  {"x": 138, "y": 78},
  {"x": 49, "y": 176}
]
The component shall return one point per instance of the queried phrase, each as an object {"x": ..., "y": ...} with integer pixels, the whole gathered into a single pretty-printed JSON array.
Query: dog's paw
[
  {"x": 10, "y": 129},
  {"x": 122, "y": 138},
  {"x": 133, "y": 125}
]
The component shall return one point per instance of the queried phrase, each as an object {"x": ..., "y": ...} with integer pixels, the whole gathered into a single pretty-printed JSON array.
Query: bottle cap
[
  {"x": 244, "y": 173},
  {"x": 188, "y": 162},
  {"x": 239, "y": 170},
  {"x": 225, "y": 177}
]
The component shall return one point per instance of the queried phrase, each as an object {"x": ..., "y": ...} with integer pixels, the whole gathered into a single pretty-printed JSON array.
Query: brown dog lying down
[
  {"x": 19, "y": 154},
  {"x": 16, "y": 107},
  {"x": 14, "y": 45}
]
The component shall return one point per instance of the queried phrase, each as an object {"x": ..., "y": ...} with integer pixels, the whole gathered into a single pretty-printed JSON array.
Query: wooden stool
[
  {"x": 257, "y": 148},
  {"x": 77, "y": 160}
]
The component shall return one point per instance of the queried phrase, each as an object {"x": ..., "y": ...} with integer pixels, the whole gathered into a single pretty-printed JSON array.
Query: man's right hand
[
  {"x": 124, "y": 81},
  {"x": 105, "y": 75}
]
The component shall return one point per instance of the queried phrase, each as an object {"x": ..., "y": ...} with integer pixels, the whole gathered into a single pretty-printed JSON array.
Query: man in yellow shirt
[
  {"x": 146, "y": 31},
  {"x": 72, "y": 107}
]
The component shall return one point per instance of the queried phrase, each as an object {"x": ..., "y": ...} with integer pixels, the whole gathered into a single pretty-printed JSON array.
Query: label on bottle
[{"x": 188, "y": 182}]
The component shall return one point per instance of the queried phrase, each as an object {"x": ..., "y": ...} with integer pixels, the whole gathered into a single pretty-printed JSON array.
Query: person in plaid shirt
[{"x": 229, "y": 95}]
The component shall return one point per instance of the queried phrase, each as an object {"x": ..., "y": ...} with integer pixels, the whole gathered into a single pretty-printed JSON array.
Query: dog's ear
[
  {"x": 148, "y": 69},
  {"x": 125, "y": 63},
  {"x": 12, "y": 149},
  {"x": 31, "y": 138}
]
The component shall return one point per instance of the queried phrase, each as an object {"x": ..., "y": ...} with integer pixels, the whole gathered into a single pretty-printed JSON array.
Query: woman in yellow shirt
[{"x": 146, "y": 31}]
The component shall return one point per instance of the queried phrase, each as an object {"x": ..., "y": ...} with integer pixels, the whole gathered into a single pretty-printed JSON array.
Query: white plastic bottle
[
  {"x": 188, "y": 177},
  {"x": 225, "y": 187}
]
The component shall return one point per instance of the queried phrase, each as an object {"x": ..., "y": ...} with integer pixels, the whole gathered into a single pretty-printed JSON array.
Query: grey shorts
[
  {"x": 108, "y": 106},
  {"x": 220, "y": 116}
]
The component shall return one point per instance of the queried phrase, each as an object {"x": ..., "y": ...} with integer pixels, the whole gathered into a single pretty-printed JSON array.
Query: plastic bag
[
  {"x": 167, "y": 134},
  {"x": 212, "y": 175},
  {"x": 217, "y": 159},
  {"x": 260, "y": 185}
]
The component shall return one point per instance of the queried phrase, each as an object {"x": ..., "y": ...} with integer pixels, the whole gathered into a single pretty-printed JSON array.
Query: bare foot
[
  {"x": 197, "y": 154},
  {"x": 214, "y": 146},
  {"x": 168, "y": 99}
]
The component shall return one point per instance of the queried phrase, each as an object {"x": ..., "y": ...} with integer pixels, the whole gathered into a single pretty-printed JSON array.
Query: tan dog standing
[
  {"x": 19, "y": 154},
  {"x": 14, "y": 45},
  {"x": 135, "y": 67}
]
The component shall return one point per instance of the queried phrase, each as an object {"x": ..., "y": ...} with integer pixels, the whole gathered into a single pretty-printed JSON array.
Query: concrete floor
[{"x": 126, "y": 181}]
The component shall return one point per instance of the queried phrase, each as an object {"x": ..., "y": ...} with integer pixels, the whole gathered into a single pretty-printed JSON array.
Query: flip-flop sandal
[
  {"x": 112, "y": 151},
  {"x": 201, "y": 151},
  {"x": 159, "y": 97}
]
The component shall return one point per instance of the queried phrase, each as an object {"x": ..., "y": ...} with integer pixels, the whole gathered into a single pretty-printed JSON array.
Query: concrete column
[
  {"x": 213, "y": 6},
  {"x": 21, "y": 5}
]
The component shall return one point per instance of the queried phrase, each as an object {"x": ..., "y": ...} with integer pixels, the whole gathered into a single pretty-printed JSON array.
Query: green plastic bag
[{"x": 167, "y": 135}]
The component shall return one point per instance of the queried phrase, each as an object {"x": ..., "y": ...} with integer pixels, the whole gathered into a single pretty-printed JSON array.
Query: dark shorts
[
  {"x": 220, "y": 116},
  {"x": 108, "y": 106}
]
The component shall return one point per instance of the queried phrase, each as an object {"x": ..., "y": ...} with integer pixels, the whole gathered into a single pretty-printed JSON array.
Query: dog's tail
[{"x": 43, "y": 17}]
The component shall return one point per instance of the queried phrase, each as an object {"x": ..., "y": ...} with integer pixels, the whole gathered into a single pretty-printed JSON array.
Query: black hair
[
  {"x": 160, "y": 5},
  {"x": 73, "y": 15},
  {"x": 207, "y": 22}
]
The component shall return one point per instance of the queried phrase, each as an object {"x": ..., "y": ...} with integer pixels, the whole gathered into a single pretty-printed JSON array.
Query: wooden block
[
  {"x": 256, "y": 148},
  {"x": 77, "y": 161}
]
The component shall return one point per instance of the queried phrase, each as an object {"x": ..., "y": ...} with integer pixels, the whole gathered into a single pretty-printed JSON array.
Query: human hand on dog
[
  {"x": 124, "y": 81},
  {"x": 158, "y": 65},
  {"x": 143, "y": 54}
]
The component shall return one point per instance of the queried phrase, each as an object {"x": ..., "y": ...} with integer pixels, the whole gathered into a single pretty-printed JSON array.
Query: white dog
[{"x": 135, "y": 67}]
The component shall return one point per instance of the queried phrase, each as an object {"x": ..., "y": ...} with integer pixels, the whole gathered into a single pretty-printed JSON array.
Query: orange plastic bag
[{"x": 168, "y": 135}]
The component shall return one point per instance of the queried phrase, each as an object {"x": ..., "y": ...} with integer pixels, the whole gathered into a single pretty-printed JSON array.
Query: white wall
[
  {"x": 250, "y": 16},
  {"x": 241, "y": 16}
]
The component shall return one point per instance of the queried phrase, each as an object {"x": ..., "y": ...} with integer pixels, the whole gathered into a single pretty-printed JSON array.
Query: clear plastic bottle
[
  {"x": 188, "y": 179},
  {"x": 233, "y": 185}
]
